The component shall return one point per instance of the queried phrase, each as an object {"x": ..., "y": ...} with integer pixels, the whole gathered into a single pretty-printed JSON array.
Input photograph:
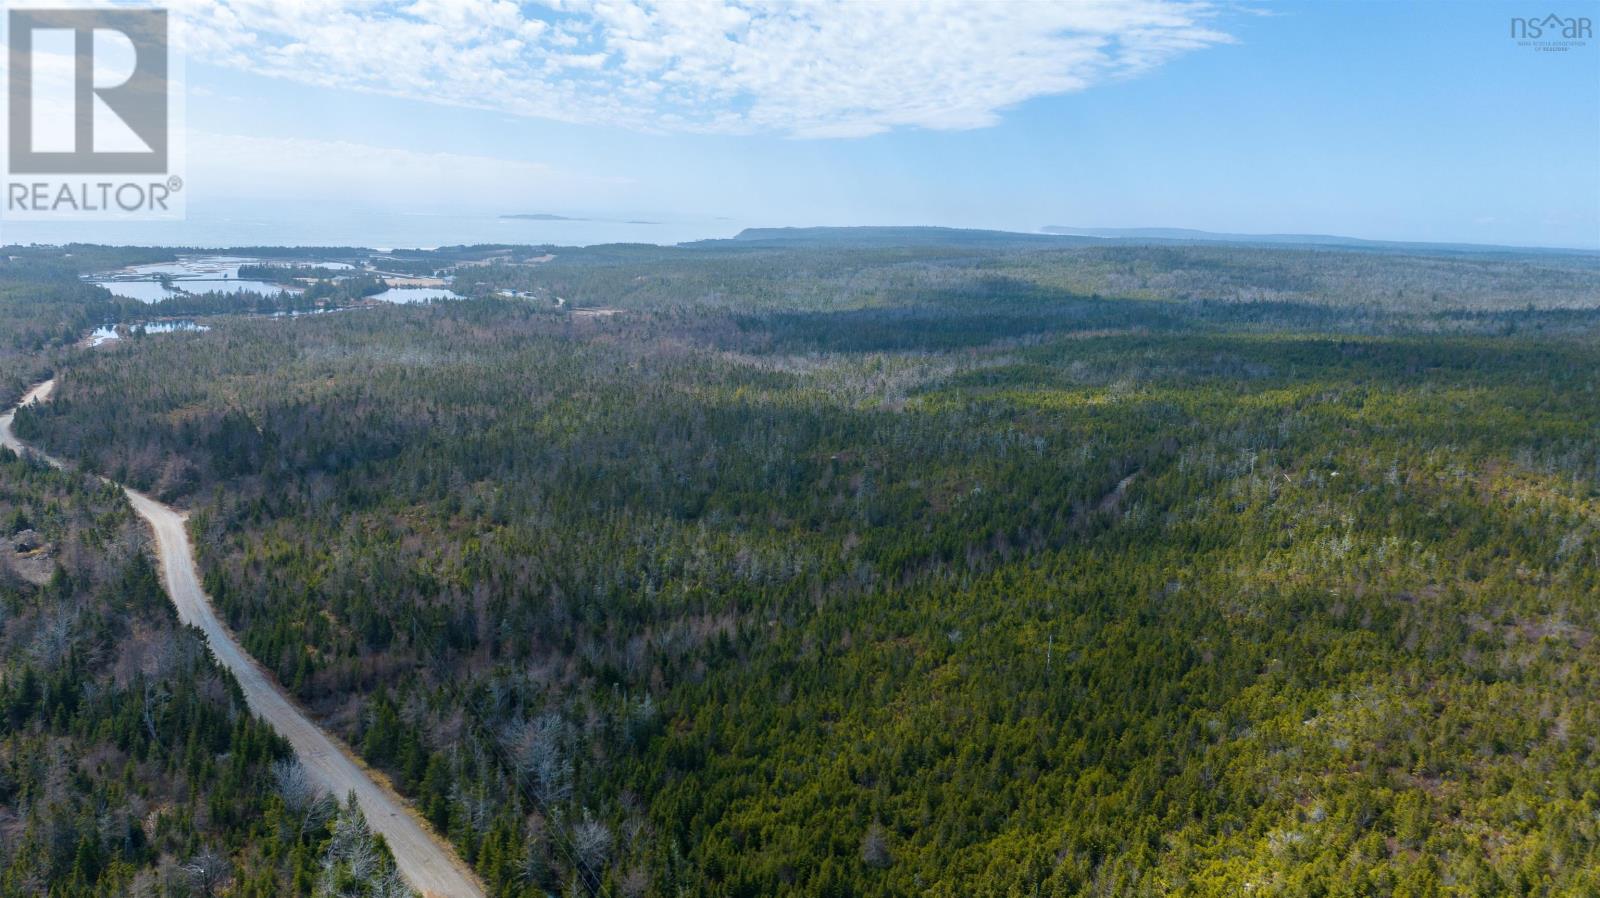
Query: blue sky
[{"x": 1376, "y": 119}]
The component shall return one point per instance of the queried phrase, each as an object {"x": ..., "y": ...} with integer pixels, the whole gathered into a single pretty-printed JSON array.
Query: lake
[
  {"x": 220, "y": 274},
  {"x": 153, "y": 291},
  {"x": 189, "y": 274}
]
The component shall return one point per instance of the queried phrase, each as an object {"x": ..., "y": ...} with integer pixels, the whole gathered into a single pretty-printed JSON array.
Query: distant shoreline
[{"x": 547, "y": 216}]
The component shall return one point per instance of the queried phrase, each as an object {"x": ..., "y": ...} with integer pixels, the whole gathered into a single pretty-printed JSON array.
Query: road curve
[{"x": 425, "y": 860}]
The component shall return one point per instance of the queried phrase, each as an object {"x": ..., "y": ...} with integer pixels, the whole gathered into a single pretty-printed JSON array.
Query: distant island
[
  {"x": 912, "y": 235},
  {"x": 546, "y": 216}
]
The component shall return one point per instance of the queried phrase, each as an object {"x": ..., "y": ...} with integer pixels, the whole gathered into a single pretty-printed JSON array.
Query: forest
[
  {"x": 128, "y": 763},
  {"x": 846, "y": 567}
]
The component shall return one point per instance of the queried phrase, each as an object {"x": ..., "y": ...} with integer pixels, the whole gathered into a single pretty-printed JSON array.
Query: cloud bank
[{"x": 813, "y": 69}]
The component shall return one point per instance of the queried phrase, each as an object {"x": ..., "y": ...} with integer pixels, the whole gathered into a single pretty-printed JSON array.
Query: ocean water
[{"x": 216, "y": 225}]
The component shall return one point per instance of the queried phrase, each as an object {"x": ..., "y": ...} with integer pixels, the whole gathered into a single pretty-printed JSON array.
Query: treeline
[
  {"x": 1416, "y": 288},
  {"x": 291, "y": 273}
]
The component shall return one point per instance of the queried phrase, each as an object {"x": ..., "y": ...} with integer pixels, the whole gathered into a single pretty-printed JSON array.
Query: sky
[{"x": 1382, "y": 120}]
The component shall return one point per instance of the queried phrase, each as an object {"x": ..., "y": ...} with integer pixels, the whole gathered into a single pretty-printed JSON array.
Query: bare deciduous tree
[
  {"x": 591, "y": 844},
  {"x": 537, "y": 751},
  {"x": 307, "y": 802},
  {"x": 208, "y": 871},
  {"x": 875, "y": 847},
  {"x": 635, "y": 883}
]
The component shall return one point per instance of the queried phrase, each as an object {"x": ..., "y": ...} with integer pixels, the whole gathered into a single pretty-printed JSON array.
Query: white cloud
[{"x": 806, "y": 69}]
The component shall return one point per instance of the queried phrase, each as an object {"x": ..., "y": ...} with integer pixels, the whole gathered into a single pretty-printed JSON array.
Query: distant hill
[
  {"x": 1063, "y": 236},
  {"x": 1190, "y": 235},
  {"x": 893, "y": 236}
]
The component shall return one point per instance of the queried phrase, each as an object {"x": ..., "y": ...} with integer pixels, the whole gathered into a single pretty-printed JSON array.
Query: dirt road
[{"x": 428, "y": 862}]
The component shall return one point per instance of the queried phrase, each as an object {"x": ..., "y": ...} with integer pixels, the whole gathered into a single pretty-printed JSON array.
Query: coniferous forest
[
  {"x": 839, "y": 564},
  {"x": 128, "y": 763}
]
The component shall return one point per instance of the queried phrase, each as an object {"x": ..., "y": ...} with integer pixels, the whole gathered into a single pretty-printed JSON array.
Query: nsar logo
[{"x": 1552, "y": 32}]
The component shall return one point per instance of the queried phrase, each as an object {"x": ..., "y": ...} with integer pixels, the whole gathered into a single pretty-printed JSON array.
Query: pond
[
  {"x": 414, "y": 294},
  {"x": 106, "y": 333}
]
